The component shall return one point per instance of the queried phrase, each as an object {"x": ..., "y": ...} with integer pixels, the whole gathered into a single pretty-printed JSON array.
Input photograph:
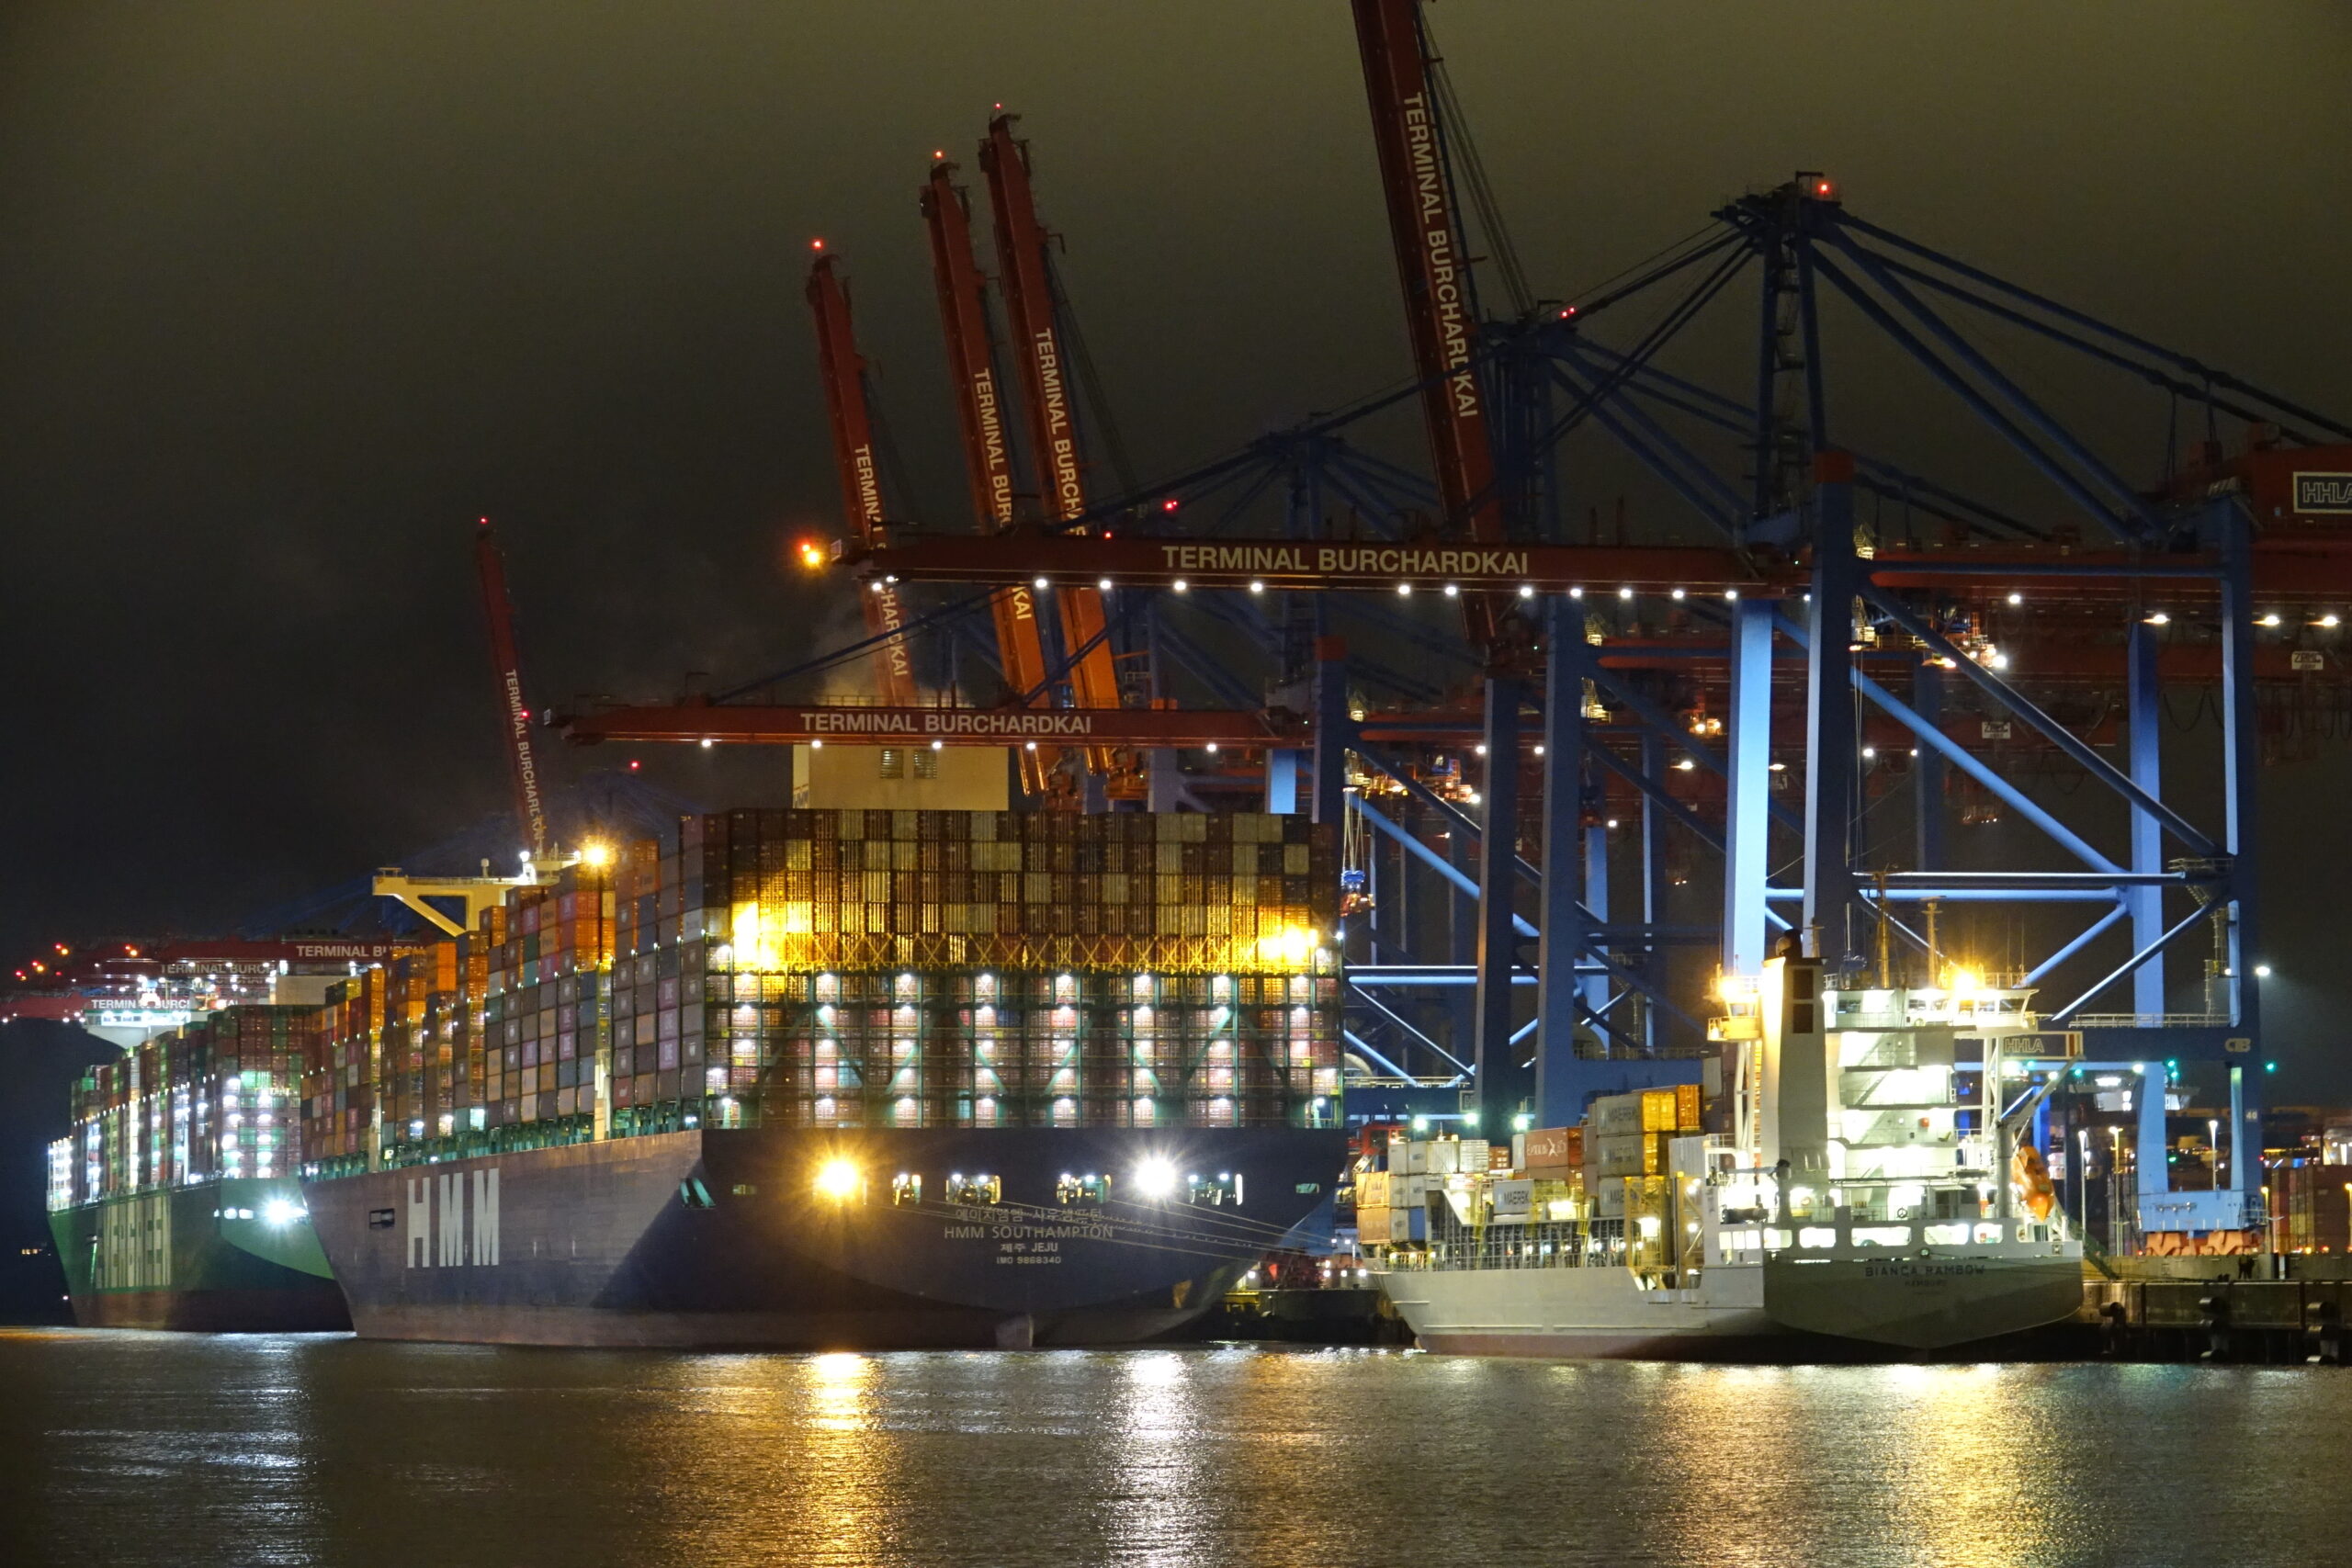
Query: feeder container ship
[{"x": 1865, "y": 1193}]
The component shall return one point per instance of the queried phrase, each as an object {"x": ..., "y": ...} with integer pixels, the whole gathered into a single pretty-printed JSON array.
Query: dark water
[{"x": 129, "y": 1449}]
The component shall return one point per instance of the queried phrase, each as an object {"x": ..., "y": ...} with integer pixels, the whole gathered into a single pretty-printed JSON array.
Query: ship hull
[
  {"x": 1784, "y": 1311},
  {"x": 1922, "y": 1303},
  {"x": 721, "y": 1238},
  {"x": 1579, "y": 1314},
  {"x": 206, "y": 1259}
]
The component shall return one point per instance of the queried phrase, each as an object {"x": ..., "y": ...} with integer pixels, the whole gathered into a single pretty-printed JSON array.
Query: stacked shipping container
[
  {"x": 216, "y": 1098},
  {"x": 859, "y": 969},
  {"x": 339, "y": 1090},
  {"x": 2311, "y": 1206}
]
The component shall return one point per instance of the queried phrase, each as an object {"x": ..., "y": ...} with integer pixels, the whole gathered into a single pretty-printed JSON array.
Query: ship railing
[
  {"x": 2150, "y": 1020},
  {"x": 1537, "y": 1244},
  {"x": 1749, "y": 1242}
]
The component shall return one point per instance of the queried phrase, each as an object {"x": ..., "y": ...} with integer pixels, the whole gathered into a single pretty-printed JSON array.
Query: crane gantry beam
[
  {"x": 733, "y": 723},
  {"x": 2288, "y": 573}
]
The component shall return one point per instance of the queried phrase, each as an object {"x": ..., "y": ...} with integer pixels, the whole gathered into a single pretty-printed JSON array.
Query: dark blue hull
[{"x": 723, "y": 1238}]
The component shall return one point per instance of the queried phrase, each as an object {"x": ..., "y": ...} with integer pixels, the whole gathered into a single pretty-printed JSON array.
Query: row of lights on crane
[
  {"x": 1404, "y": 590},
  {"x": 2329, "y": 621}
]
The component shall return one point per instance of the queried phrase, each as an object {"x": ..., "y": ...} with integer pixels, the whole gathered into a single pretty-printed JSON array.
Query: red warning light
[
  {"x": 633, "y": 764},
  {"x": 1168, "y": 505},
  {"x": 1820, "y": 187},
  {"x": 939, "y": 153},
  {"x": 816, "y": 244}
]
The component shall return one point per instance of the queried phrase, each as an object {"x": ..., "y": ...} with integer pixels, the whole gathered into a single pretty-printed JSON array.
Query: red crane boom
[
  {"x": 514, "y": 714},
  {"x": 1434, "y": 270},
  {"x": 980, "y": 411},
  {"x": 844, "y": 370},
  {"x": 1046, "y": 398}
]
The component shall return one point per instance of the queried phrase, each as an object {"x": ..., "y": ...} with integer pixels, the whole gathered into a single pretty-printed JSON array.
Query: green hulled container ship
[{"x": 174, "y": 1202}]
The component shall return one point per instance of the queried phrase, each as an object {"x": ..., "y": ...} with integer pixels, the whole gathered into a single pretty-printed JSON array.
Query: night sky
[{"x": 293, "y": 293}]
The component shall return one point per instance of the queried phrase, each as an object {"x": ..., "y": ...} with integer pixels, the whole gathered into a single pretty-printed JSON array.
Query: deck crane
[
  {"x": 514, "y": 714},
  {"x": 1433, "y": 266},
  {"x": 988, "y": 450},
  {"x": 1047, "y": 400},
  {"x": 844, "y": 375}
]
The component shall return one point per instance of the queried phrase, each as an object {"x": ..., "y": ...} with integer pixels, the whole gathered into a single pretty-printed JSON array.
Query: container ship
[
  {"x": 174, "y": 1202},
  {"x": 842, "y": 1078},
  {"x": 1864, "y": 1195}
]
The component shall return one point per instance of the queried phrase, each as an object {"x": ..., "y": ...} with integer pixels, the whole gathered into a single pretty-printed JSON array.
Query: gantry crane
[
  {"x": 988, "y": 451},
  {"x": 852, "y": 425},
  {"x": 1046, "y": 398}
]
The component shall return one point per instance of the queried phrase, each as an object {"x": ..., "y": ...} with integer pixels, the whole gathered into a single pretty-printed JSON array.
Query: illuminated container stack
[
  {"x": 471, "y": 1051},
  {"x": 546, "y": 975},
  {"x": 938, "y": 968},
  {"x": 418, "y": 1003},
  {"x": 339, "y": 1090},
  {"x": 817, "y": 968},
  {"x": 218, "y": 1097}
]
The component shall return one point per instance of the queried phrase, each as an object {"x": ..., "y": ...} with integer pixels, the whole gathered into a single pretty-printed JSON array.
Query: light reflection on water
[{"x": 155, "y": 1448}]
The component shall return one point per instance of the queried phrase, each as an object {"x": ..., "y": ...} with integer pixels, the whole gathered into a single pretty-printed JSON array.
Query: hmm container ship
[
  {"x": 844, "y": 1078},
  {"x": 1864, "y": 1197}
]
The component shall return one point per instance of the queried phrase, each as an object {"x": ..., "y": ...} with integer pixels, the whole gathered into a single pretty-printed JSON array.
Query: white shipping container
[
  {"x": 1512, "y": 1197},
  {"x": 1444, "y": 1158},
  {"x": 1613, "y": 1113},
  {"x": 1473, "y": 1155},
  {"x": 1409, "y": 1155},
  {"x": 1623, "y": 1153},
  {"x": 1519, "y": 1151}
]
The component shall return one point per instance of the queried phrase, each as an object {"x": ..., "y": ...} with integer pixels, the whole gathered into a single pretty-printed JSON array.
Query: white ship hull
[
  {"x": 1927, "y": 1304},
  {"x": 1741, "y": 1312},
  {"x": 1603, "y": 1313}
]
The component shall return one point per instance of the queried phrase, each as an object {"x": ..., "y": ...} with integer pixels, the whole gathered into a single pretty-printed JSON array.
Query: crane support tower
[
  {"x": 514, "y": 712},
  {"x": 852, "y": 425}
]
